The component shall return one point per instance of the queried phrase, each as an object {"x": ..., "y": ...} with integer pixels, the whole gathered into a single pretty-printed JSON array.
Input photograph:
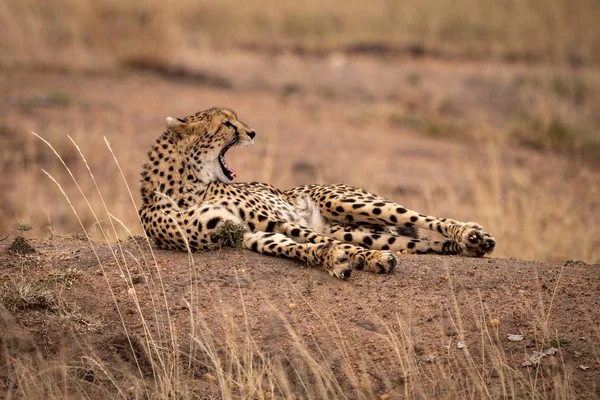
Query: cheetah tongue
[{"x": 228, "y": 168}]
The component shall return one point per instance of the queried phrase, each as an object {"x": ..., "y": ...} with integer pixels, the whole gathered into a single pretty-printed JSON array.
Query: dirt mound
[{"x": 233, "y": 323}]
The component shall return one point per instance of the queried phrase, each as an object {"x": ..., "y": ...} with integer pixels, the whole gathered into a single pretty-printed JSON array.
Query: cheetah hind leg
[
  {"x": 326, "y": 256},
  {"x": 347, "y": 204},
  {"x": 390, "y": 238},
  {"x": 473, "y": 240}
]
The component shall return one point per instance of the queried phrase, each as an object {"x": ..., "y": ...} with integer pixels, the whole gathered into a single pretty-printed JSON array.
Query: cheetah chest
[{"x": 301, "y": 211}]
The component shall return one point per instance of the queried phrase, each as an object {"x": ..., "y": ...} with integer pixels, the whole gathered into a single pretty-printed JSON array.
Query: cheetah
[{"x": 188, "y": 193}]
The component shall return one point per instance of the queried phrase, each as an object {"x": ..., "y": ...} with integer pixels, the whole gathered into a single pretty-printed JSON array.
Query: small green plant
[
  {"x": 309, "y": 286},
  {"x": 413, "y": 78},
  {"x": 575, "y": 261},
  {"x": 559, "y": 342},
  {"x": 230, "y": 234},
  {"x": 23, "y": 295},
  {"x": 22, "y": 228},
  {"x": 539, "y": 134},
  {"x": 569, "y": 88},
  {"x": 21, "y": 246},
  {"x": 419, "y": 351},
  {"x": 51, "y": 98},
  {"x": 429, "y": 124},
  {"x": 137, "y": 279},
  {"x": 66, "y": 276}
]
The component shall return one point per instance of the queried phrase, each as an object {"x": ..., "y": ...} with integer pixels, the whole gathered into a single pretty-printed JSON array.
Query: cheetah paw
[
  {"x": 475, "y": 242},
  {"x": 335, "y": 261},
  {"x": 380, "y": 262}
]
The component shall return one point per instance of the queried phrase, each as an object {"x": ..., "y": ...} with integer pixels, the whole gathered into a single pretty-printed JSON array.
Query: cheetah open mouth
[{"x": 227, "y": 170}]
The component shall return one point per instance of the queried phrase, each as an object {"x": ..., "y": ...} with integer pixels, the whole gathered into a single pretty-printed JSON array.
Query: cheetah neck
[{"x": 170, "y": 173}]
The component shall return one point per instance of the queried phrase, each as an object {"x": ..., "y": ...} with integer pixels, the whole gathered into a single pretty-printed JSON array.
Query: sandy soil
[{"x": 429, "y": 304}]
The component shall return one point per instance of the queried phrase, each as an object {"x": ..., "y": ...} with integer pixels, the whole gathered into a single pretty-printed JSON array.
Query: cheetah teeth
[{"x": 227, "y": 167}]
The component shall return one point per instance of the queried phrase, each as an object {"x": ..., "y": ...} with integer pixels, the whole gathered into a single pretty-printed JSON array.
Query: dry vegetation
[
  {"x": 71, "y": 33},
  {"x": 196, "y": 331},
  {"x": 477, "y": 110},
  {"x": 444, "y": 149}
]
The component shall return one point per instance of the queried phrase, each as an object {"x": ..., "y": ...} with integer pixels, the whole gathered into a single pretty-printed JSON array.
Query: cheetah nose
[{"x": 251, "y": 134}]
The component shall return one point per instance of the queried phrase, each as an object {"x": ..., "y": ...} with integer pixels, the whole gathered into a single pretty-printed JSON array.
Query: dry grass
[
  {"x": 549, "y": 204},
  {"x": 27, "y": 154},
  {"x": 71, "y": 34},
  {"x": 549, "y": 212},
  {"x": 168, "y": 363},
  {"x": 536, "y": 214},
  {"x": 550, "y": 108}
]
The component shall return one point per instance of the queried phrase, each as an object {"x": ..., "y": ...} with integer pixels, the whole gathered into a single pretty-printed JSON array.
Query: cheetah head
[{"x": 205, "y": 137}]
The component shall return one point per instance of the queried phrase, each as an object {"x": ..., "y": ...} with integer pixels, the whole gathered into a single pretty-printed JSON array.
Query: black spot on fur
[
  {"x": 348, "y": 237},
  {"x": 295, "y": 232},
  {"x": 400, "y": 210},
  {"x": 212, "y": 224},
  {"x": 270, "y": 226}
]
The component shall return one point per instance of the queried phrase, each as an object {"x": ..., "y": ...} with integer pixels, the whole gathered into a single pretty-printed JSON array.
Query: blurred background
[{"x": 472, "y": 109}]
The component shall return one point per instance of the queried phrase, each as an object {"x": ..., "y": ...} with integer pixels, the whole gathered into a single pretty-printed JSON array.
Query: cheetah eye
[{"x": 230, "y": 125}]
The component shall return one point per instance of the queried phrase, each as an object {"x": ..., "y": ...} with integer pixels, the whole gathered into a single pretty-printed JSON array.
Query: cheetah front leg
[
  {"x": 327, "y": 256},
  {"x": 347, "y": 204},
  {"x": 372, "y": 260}
]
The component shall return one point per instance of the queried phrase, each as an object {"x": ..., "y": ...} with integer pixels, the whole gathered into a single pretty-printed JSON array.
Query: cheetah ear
[
  {"x": 176, "y": 126},
  {"x": 174, "y": 123}
]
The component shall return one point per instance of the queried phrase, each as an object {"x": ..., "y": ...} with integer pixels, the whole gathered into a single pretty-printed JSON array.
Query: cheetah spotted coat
[{"x": 188, "y": 195}]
